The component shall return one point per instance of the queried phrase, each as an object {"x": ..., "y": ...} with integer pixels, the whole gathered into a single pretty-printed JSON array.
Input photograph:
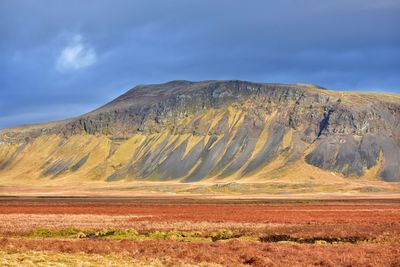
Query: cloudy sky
[{"x": 63, "y": 58}]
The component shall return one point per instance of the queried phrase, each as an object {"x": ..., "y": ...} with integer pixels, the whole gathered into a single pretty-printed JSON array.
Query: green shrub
[
  {"x": 158, "y": 235},
  {"x": 55, "y": 233},
  {"x": 221, "y": 234},
  {"x": 69, "y": 232},
  {"x": 42, "y": 232},
  {"x": 175, "y": 235},
  {"x": 118, "y": 234}
]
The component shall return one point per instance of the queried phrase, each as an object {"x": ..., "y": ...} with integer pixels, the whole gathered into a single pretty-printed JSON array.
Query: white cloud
[{"x": 75, "y": 55}]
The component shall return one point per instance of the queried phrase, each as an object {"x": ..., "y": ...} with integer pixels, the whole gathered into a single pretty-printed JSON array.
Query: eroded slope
[{"x": 218, "y": 130}]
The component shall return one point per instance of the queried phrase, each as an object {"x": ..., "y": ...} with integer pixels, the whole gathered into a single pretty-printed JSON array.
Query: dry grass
[
  {"x": 22, "y": 223},
  {"x": 230, "y": 253},
  {"x": 14, "y": 225},
  {"x": 376, "y": 223},
  {"x": 301, "y": 220},
  {"x": 329, "y": 212},
  {"x": 55, "y": 259}
]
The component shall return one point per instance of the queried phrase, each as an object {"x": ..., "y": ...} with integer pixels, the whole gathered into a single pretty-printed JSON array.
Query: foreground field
[{"x": 184, "y": 232}]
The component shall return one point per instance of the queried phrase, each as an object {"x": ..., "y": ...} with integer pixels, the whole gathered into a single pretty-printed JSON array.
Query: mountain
[{"x": 215, "y": 132}]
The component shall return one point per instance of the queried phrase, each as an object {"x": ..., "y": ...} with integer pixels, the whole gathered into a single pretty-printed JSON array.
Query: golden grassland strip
[
  {"x": 40, "y": 258},
  {"x": 227, "y": 253}
]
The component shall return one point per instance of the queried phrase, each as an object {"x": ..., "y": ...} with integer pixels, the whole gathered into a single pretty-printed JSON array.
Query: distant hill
[{"x": 215, "y": 131}]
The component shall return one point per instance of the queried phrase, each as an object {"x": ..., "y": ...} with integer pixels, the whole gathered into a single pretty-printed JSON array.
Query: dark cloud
[{"x": 342, "y": 44}]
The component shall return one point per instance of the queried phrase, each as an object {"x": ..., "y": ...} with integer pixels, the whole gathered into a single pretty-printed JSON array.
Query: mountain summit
[{"x": 215, "y": 131}]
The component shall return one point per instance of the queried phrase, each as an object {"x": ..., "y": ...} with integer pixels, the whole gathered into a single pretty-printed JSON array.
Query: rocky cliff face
[{"x": 191, "y": 131}]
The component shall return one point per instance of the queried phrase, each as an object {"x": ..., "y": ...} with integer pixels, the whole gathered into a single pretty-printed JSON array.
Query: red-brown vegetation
[
  {"x": 231, "y": 253},
  {"x": 375, "y": 223},
  {"x": 348, "y": 212}
]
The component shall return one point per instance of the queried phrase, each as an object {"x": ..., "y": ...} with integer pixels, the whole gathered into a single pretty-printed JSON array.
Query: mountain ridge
[{"x": 214, "y": 131}]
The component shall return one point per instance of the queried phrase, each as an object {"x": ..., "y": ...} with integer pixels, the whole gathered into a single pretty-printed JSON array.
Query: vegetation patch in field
[
  {"x": 121, "y": 234},
  {"x": 56, "y": 233},
  {"x": 177, "y": 236},
  {"x": 221, "y": 234},
  {"x": 313, "y": 240},
  {"x": 70, "y": 233},
  {"x": 185, "y": 236}
]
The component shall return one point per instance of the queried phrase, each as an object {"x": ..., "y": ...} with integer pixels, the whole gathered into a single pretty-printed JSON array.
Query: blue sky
[{"x": 60, "y": 59}]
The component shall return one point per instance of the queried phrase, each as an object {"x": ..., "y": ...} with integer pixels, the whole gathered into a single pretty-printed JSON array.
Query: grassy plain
[{"x": 150, "y": 231}]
